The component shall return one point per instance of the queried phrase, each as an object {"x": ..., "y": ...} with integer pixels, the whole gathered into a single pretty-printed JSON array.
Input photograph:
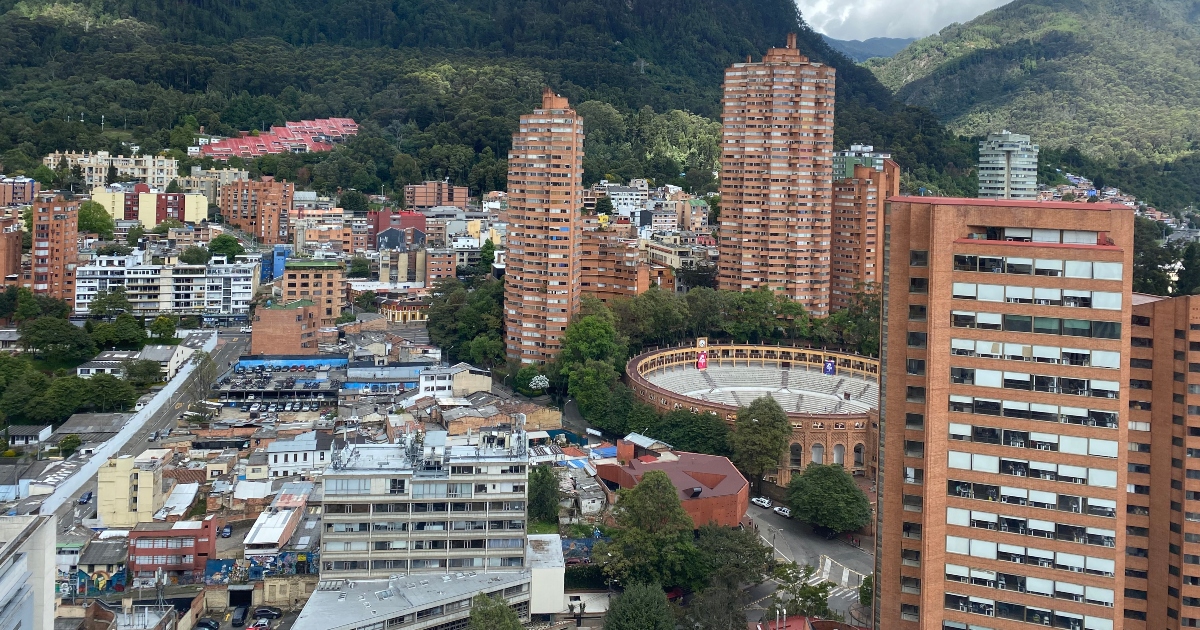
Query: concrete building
[
  {"x": 149, "y": 206},
  {"x": 129, "y": 490},
  {"x": 220, "y": 290},
  {"x": 379, "y": 520},
  {"x": 261, "y": 209},
  {"x": 432, "y": 194},
  {"x": 18, "y": 191},
  {"x": 458, "y": 381},
  {"x": 776, "y": 169},
  {"x": 410, "y": 601},
  {"x": 858, "y": 155},
  {"x": 321, "y": 281},
  {"x": 287, "y": 328},
  {"x": 55, "y": 246},
  {"x": 27, "y": 572},
  {"x": 1007, "y": 166},
  {"x": 1004, "y": 463},
  {"x": 545, "y": 193},
  {"x": 28, "y": 434},
  {"x": 857, "y": 237},
  {"x": 548, "y": 568},
  {"x": 180, "y": 549},
  {"x": 208, "y": 182},
  {"x": 304, "y": 454},
  {"x": 155, "y": 171}
]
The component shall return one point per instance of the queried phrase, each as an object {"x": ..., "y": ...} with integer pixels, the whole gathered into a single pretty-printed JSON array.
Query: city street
[{"x": 230, "y": 346}]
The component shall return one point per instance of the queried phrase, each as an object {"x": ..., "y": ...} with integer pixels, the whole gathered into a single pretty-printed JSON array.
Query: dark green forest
[{"x": 437, "y": 86}]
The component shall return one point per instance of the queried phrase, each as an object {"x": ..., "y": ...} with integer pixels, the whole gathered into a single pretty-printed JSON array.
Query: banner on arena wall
[
  {"x": 831, "y": 367},
  {"x": 702, "y": 360}
]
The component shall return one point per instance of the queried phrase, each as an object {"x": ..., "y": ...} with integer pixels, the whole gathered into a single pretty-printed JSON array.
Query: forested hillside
[
  {"x": 1119, "y": 79},
  {"x": 437, "y": 85}
]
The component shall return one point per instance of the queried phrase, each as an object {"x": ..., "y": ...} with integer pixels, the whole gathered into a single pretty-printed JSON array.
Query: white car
[
  {"x": 782, "y": 511},
  {"x": 762, "y": 502},
  {"x": 247, "y": 329}
]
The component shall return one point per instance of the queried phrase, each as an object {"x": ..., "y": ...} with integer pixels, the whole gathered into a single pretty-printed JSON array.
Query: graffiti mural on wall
[
  {"x": 259, "y": 567},
  {"x": 80, "y": 583}
]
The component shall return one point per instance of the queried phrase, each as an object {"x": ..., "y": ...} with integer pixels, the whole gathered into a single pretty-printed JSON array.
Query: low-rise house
[
  {"x": 107, "y": 362},
  {"x": 462, "y": 379},
  {"x": 28, "y": 435},
  {"x": 303, "y": 454}
]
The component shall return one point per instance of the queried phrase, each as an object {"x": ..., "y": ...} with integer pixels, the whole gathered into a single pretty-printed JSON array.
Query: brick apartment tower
[
  {"x": 776, "y": 169},
  {"x": 857, "y": 239},
  {"x": 1004, "y": 440},
  {"x": 55, "y": 246},
  {"x": 261, "y": 209},
  {"x": 432, "y": 194},
  {"x": 10, "y": 249},
  {"x": 545, "y": 194},
  {"x": 1162, "y": 568}
]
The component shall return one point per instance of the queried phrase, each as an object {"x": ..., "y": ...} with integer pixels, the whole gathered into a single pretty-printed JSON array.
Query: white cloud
[{"x": 889, "y": 18}]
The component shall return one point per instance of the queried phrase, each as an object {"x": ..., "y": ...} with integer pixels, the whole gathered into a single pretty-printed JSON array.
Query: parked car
[
  {"x": 267, "y": 612},
  {"x": 86, "y": 498},
  {"x": 782, "y": 511},
  {"x": 227, "y": 531},
  {"x": 205, "y": 623},
  {"x": 261, "y": 624},
  {"x": 239, "y": 617},
  {"x": 246, "y": 329},
  {"x": 762, "y": 502}
]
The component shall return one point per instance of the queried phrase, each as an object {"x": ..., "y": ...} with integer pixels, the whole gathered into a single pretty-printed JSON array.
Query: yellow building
[
  {"x": 129, "y": 489},
  {"x": 138, "y": 201}
]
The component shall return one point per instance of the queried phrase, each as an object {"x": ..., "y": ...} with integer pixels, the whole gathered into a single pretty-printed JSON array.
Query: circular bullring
[{"x": 834, "y": 416}]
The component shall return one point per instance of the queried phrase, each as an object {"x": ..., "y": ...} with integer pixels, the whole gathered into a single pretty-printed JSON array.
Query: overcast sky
[{"x": 863, "y": 19}]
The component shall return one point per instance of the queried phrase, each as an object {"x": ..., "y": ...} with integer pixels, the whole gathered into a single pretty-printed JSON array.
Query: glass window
[
  {"x": 1077, "y": 327},
  {"x": 918, "y": 258},
  {"x": 1018, "y": 323}
]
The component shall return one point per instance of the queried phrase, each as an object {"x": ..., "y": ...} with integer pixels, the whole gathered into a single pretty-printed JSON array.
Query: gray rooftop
[
  {"x": 544, "y": 551},
  {"x": 111, "y": 551},
  {"x": 93, "y": 423},
  {"x": 409, "y": 455},
  {"x": 162, "y": 354},
  {"x": 338, "y": 604}
]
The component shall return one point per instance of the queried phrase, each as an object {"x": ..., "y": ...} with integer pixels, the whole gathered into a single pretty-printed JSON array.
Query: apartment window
[
  {"x": 916, "y": 367},
  {"x": 917, "y": 339},
  {"x": 915, "y": 394},
  {"x": 918, "y": 258},
  {"x": 917, "y": 312},
  {"x": 918, "y": 285},
  {"x": 916, "y": 421},
  {"x": 913, "y": 448}
]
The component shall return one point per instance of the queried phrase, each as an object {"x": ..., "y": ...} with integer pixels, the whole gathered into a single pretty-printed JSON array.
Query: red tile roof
[{"x": 303, "y": 136}]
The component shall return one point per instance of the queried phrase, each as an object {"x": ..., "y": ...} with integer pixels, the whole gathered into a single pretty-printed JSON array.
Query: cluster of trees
[
  {"x": 223, "y": 245},
  {"x": 656, "y": 543},
  {"x": 30, "y": 396},
  {"x": 466, "y": 319}
]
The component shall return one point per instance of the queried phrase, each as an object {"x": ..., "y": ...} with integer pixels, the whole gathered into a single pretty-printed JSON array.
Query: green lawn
[{"x": 539, "y": 527}]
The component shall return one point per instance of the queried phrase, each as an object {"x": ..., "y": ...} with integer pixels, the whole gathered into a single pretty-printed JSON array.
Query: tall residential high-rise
[
  {"x": 858, "y": 154},
  {"x": 55, "y": 246},
  {"x": 1004, "y": 450},
  {"x": 262, "y": 209},
  {"x": 545, "y": 195},
  {"x": 776, "y": 174},
  {"x": 1007, "y": 166},
  {"x": 857, "y": 238},
  {"x": 1162, "y": 570}
]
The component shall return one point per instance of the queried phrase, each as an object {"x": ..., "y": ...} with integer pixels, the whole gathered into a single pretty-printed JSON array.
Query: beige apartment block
[{"x": 129, "y": 489}]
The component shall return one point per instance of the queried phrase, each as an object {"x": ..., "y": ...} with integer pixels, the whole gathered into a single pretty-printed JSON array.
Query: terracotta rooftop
[
  {"x": 716, "y": 475},
  {"x": 1009, "y": 203}
]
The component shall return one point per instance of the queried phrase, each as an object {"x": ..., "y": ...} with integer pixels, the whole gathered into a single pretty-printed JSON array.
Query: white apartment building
[
  {"x": 27, "y": 572},
  {"x": 155, "y": 171},
  {"x": 428, "y": 504},
  {"x": 1007, "y": 167},
  {"x": 858, "y": 154},
  {"x": 217, "y": 290},
  {"x": 303, "y": 454},
  {"x": 626, "y": 200}
]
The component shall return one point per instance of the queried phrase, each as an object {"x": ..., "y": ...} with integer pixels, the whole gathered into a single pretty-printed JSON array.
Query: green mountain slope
[
  {"x": 1112, "y": 77},
  {"x": 437, "y": 84},
  {"x": 864, "y": 49}
]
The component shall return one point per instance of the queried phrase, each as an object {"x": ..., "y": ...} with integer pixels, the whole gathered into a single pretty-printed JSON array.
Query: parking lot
[
  {"x": 283, "y": 623},
  {"x": 305, "y": 388}
]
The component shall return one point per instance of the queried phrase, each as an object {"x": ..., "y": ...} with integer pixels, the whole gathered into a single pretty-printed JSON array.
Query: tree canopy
[
  {"x": 226, "y": 245},
  {"x": 492, "y": 613},
  {"x": 653, "y": 541},
  {"x": 640, "y": 607},
  {"x": 544, "y": 494},
  {"x": 825, "y": 495},
  {"x": 195, "y": 255},
  {"x": 760, "y": 436},
  {"x": 94, "y": 218}
]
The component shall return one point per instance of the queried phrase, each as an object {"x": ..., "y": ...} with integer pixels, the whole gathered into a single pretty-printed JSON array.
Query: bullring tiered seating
[{"x": 798, "y": 389}]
